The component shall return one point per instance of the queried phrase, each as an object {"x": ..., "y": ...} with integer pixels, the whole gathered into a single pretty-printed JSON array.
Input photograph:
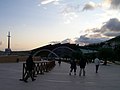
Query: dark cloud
[
  {"x": 89, "y": 6},
  {"x": 112, "y": 27},
  {"x": 112, "y": 34},
  {"x": 115, "y": 4},
  {"x": 84, "y": 39},
  {"x": 0, "y": 42},
  {"x": 109, "y": 29}
]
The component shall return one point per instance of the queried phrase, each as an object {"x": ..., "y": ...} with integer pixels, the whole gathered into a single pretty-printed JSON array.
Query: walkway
[{"x": 108, "y": 78}]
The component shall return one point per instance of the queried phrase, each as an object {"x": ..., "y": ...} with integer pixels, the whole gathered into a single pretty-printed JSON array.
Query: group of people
[
  {"x": 82, "y": 63},
  {"x": 30, "y": 66}
]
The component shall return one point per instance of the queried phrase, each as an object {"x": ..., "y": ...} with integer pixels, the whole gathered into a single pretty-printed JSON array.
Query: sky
[{"x": 35, "y": 23}]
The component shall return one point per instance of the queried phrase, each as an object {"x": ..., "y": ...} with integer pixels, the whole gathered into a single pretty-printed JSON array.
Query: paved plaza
[{"x": 108, "y": 78}]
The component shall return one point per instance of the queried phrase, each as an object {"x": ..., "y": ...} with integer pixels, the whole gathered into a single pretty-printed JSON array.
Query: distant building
[{"x": 85, "y": 51}]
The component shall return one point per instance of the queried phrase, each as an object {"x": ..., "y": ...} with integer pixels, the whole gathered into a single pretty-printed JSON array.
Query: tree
[
  {"x": 117, "y": 53},
  {"x": 106, "y": 54},
  {"x": 77, "y": 54}
]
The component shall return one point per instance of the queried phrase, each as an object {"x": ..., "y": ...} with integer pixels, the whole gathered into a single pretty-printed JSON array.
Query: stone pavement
[{"x": 108, "y": 78}]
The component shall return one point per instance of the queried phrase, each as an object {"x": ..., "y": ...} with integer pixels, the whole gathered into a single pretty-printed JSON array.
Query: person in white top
[{"x": 97, "y": 63}]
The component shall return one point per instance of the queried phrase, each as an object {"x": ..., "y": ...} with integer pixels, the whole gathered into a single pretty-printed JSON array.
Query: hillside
[
  {"x": 116, "y": 39},
  {"x": 112, "y": 43}
]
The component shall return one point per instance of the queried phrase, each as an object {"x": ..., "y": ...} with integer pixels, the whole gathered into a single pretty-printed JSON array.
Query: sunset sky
[{"x": 35, "y": 23}]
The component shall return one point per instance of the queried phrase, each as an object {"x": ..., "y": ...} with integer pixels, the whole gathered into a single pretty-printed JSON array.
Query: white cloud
[
  {"x": 106, "y": 4},
  {"x": 49, "y": 1},
  {"x": 69, "y": 12},
  {"x": 68, "y": 40},
  {"x": 69, "y": 17},
  {"x": 54, "y": 42},
  {"x": 107, "y": 14}
]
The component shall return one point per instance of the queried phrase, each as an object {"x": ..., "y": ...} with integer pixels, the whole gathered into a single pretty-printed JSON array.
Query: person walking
[
  {"x": 59, "y": 62},
  {"x": 73, "y": 67},
  {"x": 82, "y": 64},
  {"x": 97, "y": 63},
  {"x": 30, "y": 69}
]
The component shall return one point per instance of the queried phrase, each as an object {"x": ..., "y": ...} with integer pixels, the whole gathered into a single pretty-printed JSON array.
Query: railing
[{"x": 40, "y": 68}]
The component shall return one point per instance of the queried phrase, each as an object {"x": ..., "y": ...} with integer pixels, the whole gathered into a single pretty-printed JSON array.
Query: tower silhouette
[
  {"x": 8, "y": 50},
  {"x": 8, "y": 40}
]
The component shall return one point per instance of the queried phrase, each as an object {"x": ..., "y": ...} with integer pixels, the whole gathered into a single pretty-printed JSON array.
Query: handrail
[{"x": 40, "y": 68}]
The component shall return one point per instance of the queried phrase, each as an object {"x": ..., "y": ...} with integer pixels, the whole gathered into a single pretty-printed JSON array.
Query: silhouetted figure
[
  {"x": 73, "y": 67},
  {"x": 30, "y": 68},
  {"x": 82, "y": 64},
  {"x": 97, "y": 63},
  {"x": 59, "y": 62},
  {"x": 17, "y": 60}
]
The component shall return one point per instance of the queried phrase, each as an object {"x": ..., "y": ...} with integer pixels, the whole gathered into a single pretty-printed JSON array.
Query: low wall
[{"x": 8, "y": 59}]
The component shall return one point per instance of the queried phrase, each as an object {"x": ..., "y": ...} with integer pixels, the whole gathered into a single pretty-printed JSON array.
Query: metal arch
[
  {"x": 61, "y": 47},
  {"x": 46, "y": 50}
]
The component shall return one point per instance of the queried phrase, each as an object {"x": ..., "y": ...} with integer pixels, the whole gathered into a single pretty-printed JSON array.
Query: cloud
[
  {"x": 112, "y": 4},
  {"x": 54, "y": 42},
  {"x": 69, "y": 17},
  {"x": 113, "y": 24},
  {"x": 115, "y": 4},
  {"x": 112, "y": 27},
  {"x": 0, "y": 42},
  {"x": 49, "y": 1},
  {"x": 68, "y": 40},
  {"x": 69, "y": 12},
  {"x": 112, "y": 34},
  {"x": 85, "y": 39},
  {"x": 89, "y": 6},
  {"x": 108, "y": 30}
]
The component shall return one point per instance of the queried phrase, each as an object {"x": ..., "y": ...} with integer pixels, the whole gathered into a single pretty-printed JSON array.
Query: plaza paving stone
[{"x": 108, "y": 78}]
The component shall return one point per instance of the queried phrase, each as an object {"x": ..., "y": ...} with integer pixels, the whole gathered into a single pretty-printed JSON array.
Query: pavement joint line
[{"x": 58, "y": 81}]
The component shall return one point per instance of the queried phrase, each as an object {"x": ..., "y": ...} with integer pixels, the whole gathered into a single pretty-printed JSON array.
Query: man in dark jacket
[
  {"x": 82, "y": 64},
  {"x": 29, "y": 68},
  {"x": 73, "y": 67}
]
